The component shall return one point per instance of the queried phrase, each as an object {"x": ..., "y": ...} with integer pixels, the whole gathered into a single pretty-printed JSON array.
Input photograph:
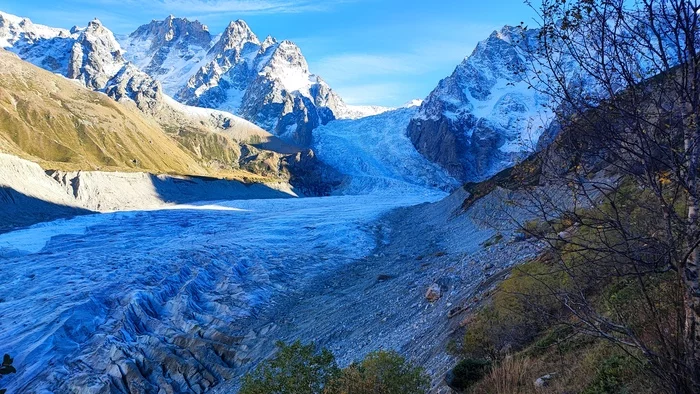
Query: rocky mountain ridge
[
  {"x": 223, "y": 141},
  {"x": 267, "y": 82},
  {"x": 483, "y": 118},
  {"x": 175, "y": 54}
]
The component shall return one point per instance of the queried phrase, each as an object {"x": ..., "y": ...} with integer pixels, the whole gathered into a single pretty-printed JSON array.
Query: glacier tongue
[{"x": 107, "y": 303}]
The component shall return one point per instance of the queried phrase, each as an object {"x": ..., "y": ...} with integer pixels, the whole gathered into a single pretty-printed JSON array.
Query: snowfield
[{"x": 92, "y": 294}]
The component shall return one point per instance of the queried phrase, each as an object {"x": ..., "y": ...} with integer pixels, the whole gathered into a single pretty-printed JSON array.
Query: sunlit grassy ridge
[{"x": 63, "y": 126}]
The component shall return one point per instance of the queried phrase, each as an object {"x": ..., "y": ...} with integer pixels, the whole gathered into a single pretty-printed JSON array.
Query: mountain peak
[
  {"x": 235, "y": 37},
  {"x": 288, "y": 56},
  {"x": 94, "y": 24},
  {"x": 171, "y": 30},
  {"x": 269, "y": 41},
  {"x": 15, "y": 30},
  {"x": 240, "y": 29},
  {"x": 9, "y": 18}
]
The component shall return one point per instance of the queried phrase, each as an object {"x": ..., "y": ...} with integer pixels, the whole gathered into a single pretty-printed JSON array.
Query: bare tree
[{"x": 623, "y": 79}]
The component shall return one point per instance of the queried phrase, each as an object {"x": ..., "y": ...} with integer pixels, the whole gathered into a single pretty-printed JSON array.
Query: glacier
[
  {"x": 376, "y": 155},
  {"x": 187, "y": 297},
  {"x": 91, "y": 294}
]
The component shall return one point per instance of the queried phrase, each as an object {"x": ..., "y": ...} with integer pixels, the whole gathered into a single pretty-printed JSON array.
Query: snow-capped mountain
[
  {"x": 15, "y": 30},
  {"x": 267, "y": 82},
  {"x": 93, "y": 56},
  {"x": 170, "y": 50},
  {"x": 483, "y": 118},
  {"x": 90, "y": 55}
]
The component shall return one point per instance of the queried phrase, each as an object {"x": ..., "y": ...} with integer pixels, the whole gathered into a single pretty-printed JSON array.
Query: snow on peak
[
  {"x": 236, "y": 35},
  {"x": 95, "y": 24},
  {"x": 486, "y": 107},
  {"x": 18, "y": 31},
  {"x": 170, "y": 50},
  {"x": 158, "y": 33},
  {"x": 289, "y": 66},
  {"x": 269, "y": 41},
  {"x": 9, "y": 18},
  {"x": 412, "y": 103}
]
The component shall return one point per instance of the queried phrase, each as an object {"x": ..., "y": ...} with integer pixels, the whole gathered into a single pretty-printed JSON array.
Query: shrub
[
  {"x": 303, "y": 369},
  {"x": 509, "y": 376},
  {"x": 296, "y": 369},
  {"x": 520, "y": 309},
  {"x": 609, "y": 377},
  {"x": 382, "y": 372},
  {"x": 467, "y": 372}
]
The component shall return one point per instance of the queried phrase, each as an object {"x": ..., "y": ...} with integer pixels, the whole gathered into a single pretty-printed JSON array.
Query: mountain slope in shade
[{"x": 483, "y": 118}]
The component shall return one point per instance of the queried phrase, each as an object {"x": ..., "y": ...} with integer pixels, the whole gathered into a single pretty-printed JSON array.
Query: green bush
[
  {"x": 609, "y": 377},
  {"x": 296, "y": 369},
  {"x": 303, "y": 369},
  {"x": 467, "y": 372},
  {"x": 382, "y": 372},
  {"x": 521, "y": 308}
]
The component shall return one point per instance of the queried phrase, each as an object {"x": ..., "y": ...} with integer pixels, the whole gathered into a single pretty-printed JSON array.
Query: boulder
[
  {"x": 433, "y": 293},
  {"x": 543, "y": 381}
]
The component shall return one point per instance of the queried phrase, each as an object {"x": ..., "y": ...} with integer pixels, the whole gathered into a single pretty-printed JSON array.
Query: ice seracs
[{"x": 376, "y": 156}]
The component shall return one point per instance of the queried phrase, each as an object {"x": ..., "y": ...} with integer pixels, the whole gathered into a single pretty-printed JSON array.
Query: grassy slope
[
  {"x": 511, "y": 320},
  {"x": 61, "y": 125}
]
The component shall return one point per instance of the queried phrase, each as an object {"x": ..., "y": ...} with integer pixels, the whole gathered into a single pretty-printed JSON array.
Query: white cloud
[
  {"x": 350, "y": 65},
  {"x": 372, "y": 93},
  {"x": 208, "y": 7}
]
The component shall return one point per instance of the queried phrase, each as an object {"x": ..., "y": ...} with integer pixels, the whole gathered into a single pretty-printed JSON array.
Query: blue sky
[{"x": 382, "y": 52}]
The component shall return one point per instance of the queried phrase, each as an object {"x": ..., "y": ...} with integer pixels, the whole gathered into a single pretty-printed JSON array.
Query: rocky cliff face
[
  {"x": 482, "y": 118},
  {"x": 268, "y": 83}
]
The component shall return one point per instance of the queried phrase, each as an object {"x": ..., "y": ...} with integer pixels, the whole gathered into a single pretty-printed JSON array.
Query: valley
[
  {"x": 244, "y": 204},
  {"x": 186, "y": 210}
]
